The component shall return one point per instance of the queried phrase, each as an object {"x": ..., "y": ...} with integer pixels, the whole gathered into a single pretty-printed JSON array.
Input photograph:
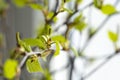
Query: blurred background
[{"x": 27, "y": 21}]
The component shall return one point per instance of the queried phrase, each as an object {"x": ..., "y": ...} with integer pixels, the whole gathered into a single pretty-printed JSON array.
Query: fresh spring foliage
[
  {"x": 10, "y": 68},
  {"x": 108, "y": 9},
  {"x": 98, "y": 3},
  {"x": 45, "y": 37},
  {"x": 113, "y": 36},
  {"x": 33, "y": 64}
]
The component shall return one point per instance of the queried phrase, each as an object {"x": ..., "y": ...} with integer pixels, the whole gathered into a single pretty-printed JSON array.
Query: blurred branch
[
  {"x": 99, "y": 28},
  {"x": 1, "y": 74},
  {"x": 76, "y": 11},
  {"x": 72, "y": 59},
  {"x": 98, "y": 67}
]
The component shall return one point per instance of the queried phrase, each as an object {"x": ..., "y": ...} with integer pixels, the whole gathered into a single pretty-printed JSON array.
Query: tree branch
[
  {"x": 26, "y": 56},
  {"x": 99, "y": 28},
  {"x": 98, "y": 67},
  {"x": 76, "y": 11}
]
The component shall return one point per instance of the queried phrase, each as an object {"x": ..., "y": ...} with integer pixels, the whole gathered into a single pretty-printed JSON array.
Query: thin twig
[
  {"x": 98, "y": 67},
  {"x": 26, "y": 56},
  {"x": 99, "y": 28},
  {"x": 76, "y": 11}
]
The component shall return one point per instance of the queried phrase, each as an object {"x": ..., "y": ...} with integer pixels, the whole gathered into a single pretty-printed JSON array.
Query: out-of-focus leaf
[
  {"x": 55, "y": 19},
  {"x": 57, "y": 51},
  {"x": 112, "y": 36},
  {"x": 50, "y": 14},
  {"x": 45, "y": 30},
  {"x": 47, "y": 75},
  {"x": 40, "y": 30},
  {"x": 79, "y": 1},
  {"x": 36, "y": 6},
  {"x": 81, "y": 26},
  {"x": 33, "y": 64},
  {"x": 108, "y": 9},
  {"x": 79, "y": 23},
  {"x": 98, "y": 3},
  {"x": 20, "y": 3},
  {"x": 59, "y": 38},
  {"x": 3, "y": 5},
  {"x": 10, "y": 68},
  {"x": 78, "y": 18},
  {"x": 35, "y": 42}
]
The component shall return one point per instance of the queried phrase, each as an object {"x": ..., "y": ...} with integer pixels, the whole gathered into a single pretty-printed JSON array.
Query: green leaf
[
  {"x": 79, "y": 23},
  {"x": 10, "y": 68},
  {"x": 36, "y": 6},
  {"x": 3, "y": 5},
  {"x": 108, "y": 9},
  {"x": 40, "y": 31},
  {"x": 22, "y": 43},
  {"x": 55, "y": 19},
  {"x": 78, "y": 18},
  {"x": 98, "y": 3},
  {"x": 80, "y": 26},
  {"x": 50, "y": 14},
  {"x": 112, "y": 36},
  {"x": 57, "y": 48},
  {"x": 20, "y": 3},
  {"x": 59, "y": 38},
  {"x": 35, "y": 42},
  {"x": 33, "y": 64},
  {"x": 79, "y": 1},
  {"x": 47, "y": 75}
]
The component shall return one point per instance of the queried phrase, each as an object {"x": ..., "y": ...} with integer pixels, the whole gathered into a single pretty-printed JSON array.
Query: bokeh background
[{"x": 27, "y": 21}]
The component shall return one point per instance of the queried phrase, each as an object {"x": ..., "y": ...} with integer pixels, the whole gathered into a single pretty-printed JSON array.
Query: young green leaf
[
  {"x": 22, "y": 43},
  {"x": 20, "y": 3},
  {"x": 10, "y": 68},
  {"x": 50, "y": 14},
  {"x": 78, "y": 18},
  {"x": 112, "y": 36},
  {"x": 58, "y": 38},
  {"x": 57, "y": 51},
  {"x": 47, "y": 75},
  {"x": 108, "y": 9},
  {"x": 80, "y": 26},
  {"x": 3, "y": 5},
  {"x": 79, "y": 1},
  {"x": 55, "y": 19},
  {"x": 33, "y": 65},
  {"x": 36, "y": 6},
  {"x": 98, "y": 3},
  {"x": 35, "y": 42}
]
